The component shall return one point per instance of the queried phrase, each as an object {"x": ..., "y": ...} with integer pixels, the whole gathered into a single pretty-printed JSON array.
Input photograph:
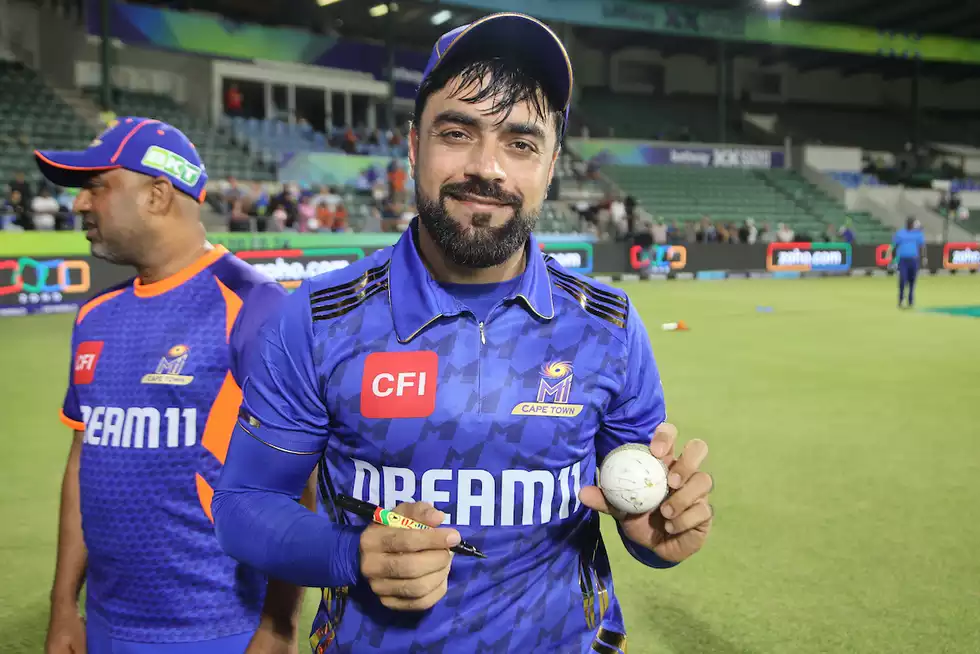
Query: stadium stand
[
  {"x": 224, "y": 158},
  {"x": 673, "y": 118},
  {"x": 33, "y": 116},
  {"x": 688, "y": 194}
]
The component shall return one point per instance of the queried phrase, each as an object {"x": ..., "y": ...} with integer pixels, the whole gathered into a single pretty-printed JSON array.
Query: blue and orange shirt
[
  {"x": 155, "y": 387},
  {"x": 405, "y": 394}
]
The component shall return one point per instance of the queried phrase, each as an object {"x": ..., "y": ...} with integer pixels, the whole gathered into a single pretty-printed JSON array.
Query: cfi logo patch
[
  {"x": 399, "y": 384},
  {"x": 86, "y": 358},
  {"x": 554, "y": 390},
  {"x": 168, "y": 371}
]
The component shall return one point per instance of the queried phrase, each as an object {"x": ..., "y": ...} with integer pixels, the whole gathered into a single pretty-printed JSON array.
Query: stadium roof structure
[{"x": 418, "y": 23}]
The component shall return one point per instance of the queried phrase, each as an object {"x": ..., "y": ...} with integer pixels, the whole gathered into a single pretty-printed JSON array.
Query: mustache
[{"x": 481, "y": 188}]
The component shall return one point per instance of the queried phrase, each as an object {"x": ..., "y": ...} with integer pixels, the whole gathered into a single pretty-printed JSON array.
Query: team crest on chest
[
  {"x": 168, "y": 371},
  {"x": 554, "y": 391}
]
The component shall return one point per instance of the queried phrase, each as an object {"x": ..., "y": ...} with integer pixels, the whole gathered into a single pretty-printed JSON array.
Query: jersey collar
[{"x": 416, "y": 299}]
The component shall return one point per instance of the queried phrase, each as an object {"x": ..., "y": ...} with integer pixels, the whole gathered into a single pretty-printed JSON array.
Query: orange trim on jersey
[
  {"x": 222, "y": 419},
  {"x": 175, "y": 280},
  {"x": 77, "y": 425},
  {"x": 94, "y": 302},
  {"x": 204, "y": 493},
  {"x": 233, "y": 304},
  {"x": 140, "y": 125}
]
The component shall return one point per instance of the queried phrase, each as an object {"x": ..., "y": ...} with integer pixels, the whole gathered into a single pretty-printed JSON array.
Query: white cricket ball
[{"x": 632, "y": 479}]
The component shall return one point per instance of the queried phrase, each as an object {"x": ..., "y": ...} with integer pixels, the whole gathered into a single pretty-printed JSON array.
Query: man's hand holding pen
[{"x": 408, "y": 569}]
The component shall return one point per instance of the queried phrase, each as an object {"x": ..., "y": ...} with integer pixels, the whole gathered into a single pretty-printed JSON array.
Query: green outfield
[{"x": 845, "y": 441}]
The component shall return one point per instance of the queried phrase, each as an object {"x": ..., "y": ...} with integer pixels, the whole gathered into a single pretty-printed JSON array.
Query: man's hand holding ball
[{"x": 673, "y": 528}]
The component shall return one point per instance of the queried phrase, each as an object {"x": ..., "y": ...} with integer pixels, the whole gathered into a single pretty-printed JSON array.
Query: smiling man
[{"x": 468, "y": 381}]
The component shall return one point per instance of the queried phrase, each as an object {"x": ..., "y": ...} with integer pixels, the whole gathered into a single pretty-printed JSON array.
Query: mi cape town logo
[
  {"x": 805, "y": 257},
  {"x": 172, "y": 164},
  {"x": 554, "y": 390},
  {"x": 169, "y": 369}
]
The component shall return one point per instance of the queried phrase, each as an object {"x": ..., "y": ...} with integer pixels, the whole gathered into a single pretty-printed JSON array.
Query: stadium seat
[{"x": 686, "y": 194}]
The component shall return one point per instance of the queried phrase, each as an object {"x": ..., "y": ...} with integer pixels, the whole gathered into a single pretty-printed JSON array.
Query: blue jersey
[
  {"x": 406, "y": 396},
  {"x": 155, "y": 387},
  {"x": 908, "y": 243}
]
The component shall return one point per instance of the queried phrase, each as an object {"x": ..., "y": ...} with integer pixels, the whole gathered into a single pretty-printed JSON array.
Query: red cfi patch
[
  {"x": 399, "y": 384},
  {"x": 86, "y": 358}
]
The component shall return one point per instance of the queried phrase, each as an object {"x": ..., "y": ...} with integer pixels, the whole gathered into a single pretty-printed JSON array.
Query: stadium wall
[{"x": 61, "y": 283}]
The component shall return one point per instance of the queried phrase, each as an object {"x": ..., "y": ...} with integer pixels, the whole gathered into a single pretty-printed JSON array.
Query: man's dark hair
[
  {"x": 910, "y": 223},
  {"x": 509, "y": 83}
]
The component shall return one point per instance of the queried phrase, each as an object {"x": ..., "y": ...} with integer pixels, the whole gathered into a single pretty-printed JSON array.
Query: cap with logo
[
  {"x": 511, "y": 36},
  {"x": 142, "y": 145}
]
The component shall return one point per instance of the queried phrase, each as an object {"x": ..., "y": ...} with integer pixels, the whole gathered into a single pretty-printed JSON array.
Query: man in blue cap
[
  {"x": 152, "y": 398},
  {"x": 467, "y": 381}
]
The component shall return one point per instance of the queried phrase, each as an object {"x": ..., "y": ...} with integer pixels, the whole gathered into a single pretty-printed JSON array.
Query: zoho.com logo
[{"x": 805, "y": 257}]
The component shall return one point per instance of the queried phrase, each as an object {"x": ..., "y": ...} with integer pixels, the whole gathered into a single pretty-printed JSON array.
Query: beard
[{"x": 477, "y": 245}]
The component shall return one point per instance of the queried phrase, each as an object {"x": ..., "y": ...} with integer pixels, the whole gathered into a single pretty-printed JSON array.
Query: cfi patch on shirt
[
  {"x": 554, "y": 391},
  {"x": 86, "y": 358},
  {"x": 399, "y": 384}
]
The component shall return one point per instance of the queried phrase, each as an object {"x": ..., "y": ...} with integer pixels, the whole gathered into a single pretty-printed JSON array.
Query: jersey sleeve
[
  {"x": 281, "y": 403},
  {"x": 71, "y": 411},
  {"x": 261, "y": 303},
  {"x": 639, "y": 408}
]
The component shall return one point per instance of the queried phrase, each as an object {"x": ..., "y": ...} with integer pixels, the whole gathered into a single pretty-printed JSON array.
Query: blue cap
[
  {"x": 512, "y": 35},
  {"x": 142, "y": 145}
]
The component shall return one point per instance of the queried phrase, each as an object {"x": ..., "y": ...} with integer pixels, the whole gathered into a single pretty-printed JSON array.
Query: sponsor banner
[
  {"x": 658, "y": 259},
  {"x": 575, "y": 257},
  {"x": 807, "y": 257},
  {"x": 53, "y": 284},
  {"x": 651, "y": 153},
  {"x": 961, "y": 256},
  {"x": 292, "y": 267}
]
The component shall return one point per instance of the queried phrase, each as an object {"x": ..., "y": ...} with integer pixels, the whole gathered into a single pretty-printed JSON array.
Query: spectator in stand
[
  {"x": 784, "y": 234},
  {"x": 238, "y": 219},
  {"x": 286, "y": 201},
  {"x": 308, "y": 220},
  {"x": 232, "y": 193},
  {"x": 233, "y": 101},
  {"x": 20, "y": 211},
  {"x": 328, "y": 198},
  {"x": 630, "y": 205},
  {"x": 690, "y": 232},
  {"x": 350, "y": 141},
  {"x": 721, "y": 231},
  {"x": 66, "y": 216},
  {"x": 674, "y": 234},
  {"x": 707, "y": 232},
  {"x": 395, "y": 138},
  {"x": 659, "y": 232},
  {"x": 22, "y": 186},
  {"x": 10, "y": 213},
  {"x": 766, "y": 234},
  {"x": 45, "y": 209},
  {"x": 847, "y": 232},
  {"x": 396, "y": 182}
]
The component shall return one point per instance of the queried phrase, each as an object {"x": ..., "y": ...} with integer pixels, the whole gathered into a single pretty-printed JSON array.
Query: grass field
[{"x": 845, "y": 441}]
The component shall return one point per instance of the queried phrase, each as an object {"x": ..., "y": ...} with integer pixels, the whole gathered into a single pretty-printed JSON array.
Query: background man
[{"x": 152, "y": 397}]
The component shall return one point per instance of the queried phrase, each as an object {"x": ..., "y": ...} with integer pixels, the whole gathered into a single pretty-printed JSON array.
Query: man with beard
[
  {"x": 470, "y": 383},
  {"x": 152, "y": 399}
]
